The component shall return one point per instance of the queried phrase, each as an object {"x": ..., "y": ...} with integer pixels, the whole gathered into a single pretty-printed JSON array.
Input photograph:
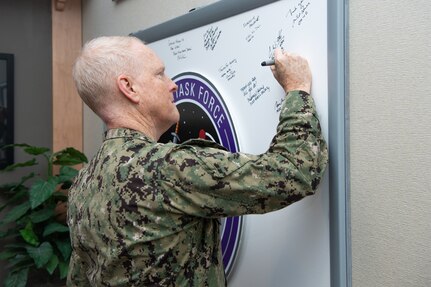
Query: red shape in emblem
[{"x": 202, "y": 134}]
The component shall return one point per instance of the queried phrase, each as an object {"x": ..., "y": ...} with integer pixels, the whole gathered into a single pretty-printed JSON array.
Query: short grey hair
[{"x": 101, "y": 61}]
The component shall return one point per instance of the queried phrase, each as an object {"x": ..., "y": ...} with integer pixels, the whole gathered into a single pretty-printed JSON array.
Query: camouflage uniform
[{"x": 143, "y": 213}]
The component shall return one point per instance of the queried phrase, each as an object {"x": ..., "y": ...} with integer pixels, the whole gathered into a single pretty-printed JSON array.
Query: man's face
[{"x": 157, "y": 92}]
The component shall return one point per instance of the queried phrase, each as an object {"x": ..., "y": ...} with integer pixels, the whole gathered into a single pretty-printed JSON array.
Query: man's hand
[{"x": 291, "y": 71}]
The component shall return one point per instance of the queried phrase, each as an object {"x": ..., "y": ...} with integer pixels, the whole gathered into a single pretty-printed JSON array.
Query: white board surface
[{"x": 289, "y": 247}]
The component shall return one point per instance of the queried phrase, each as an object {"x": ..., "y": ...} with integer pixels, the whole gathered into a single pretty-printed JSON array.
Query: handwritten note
[
  {"x": 228, "y": 70},
  {"x": 211, "y": 38},
  {"x": 178, "y": 48},
  {"x": 278, "y": 43},
  {"x": 278, "y": 105},
  {"x": 298, "y": 13},
  {"x": 251, "y": 26},
  {"x": 252, "y": 91}
]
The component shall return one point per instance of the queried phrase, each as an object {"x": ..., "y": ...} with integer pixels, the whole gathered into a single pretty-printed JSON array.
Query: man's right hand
[{"x": 291, "y": 71}]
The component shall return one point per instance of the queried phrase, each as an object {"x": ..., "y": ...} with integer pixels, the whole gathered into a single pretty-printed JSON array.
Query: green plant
[{"x": 37, "y": 242}]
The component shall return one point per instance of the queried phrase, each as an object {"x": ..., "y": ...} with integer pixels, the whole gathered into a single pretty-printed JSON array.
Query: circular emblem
[{"x": 203, "y": 114}]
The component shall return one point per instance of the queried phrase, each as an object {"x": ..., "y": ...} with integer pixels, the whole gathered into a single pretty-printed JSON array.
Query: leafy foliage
[{"x": 40, "y": 242}]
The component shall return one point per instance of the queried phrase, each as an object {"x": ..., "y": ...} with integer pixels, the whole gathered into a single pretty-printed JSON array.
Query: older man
[{"x": 142, "y": 213}]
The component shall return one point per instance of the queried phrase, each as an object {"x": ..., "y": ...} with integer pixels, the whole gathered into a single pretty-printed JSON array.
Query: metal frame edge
[
  {"x": 339, "y": 121},
  {"x": 197, "y": 18}
]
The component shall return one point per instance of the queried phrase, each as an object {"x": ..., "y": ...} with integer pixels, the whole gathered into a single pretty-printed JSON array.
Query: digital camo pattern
[{"x": 146, "y": 214}]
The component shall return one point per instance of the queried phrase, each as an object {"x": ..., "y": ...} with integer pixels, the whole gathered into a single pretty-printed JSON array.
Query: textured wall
[{"x": 390, "y": 107}]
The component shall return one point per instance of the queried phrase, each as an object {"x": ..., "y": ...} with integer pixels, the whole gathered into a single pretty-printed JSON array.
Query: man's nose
[{"x": 174, "y": 87}]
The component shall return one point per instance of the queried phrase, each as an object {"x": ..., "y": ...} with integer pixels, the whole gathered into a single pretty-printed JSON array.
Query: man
[{"x": 142, "y": 213}]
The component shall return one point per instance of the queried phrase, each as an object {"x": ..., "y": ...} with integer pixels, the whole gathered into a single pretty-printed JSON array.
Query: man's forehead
[{"x": 153, "y": 57}]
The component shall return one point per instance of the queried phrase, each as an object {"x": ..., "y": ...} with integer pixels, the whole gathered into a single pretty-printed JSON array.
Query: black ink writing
[
  {"x": 252, "y": 91},
  {"x": 278, "y": 43},
  {"x": 251, "y": 26},
  {"x": 278, "y": 105},
  {"x": 298, "y": 13},
  {"x": 211, "y": 38},
  {"x": 227, "y": 71},
  {"x": 177, "y": 48}
]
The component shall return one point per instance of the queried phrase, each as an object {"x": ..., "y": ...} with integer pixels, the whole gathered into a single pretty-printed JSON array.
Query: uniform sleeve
[
  {"x": 211, "y": 182},
  {"x": 76, "y": 277}
]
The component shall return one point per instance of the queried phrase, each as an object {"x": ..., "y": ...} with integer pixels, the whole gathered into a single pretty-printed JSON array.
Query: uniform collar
[{"x": 126, "y": 133}]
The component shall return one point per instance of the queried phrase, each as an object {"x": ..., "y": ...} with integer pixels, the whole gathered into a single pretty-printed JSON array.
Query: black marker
[{"x": 268, "y": 63}]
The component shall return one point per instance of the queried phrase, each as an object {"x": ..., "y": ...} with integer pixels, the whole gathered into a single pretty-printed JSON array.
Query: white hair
[{"x": 101, "y": 61}]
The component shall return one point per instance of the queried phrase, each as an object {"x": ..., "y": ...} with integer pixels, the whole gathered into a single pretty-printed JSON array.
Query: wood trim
[
  {"x": 60, "y": 5},
  {"x": 66, "y": 104}
]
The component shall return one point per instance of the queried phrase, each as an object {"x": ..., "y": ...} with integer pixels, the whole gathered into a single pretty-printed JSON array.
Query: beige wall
[
  {"x": 390, "y": 137},
  {"x": 390, "y": 112}
]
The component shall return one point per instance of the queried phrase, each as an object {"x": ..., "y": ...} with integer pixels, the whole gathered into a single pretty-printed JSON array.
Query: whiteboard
[{"x": 290, "y": 247}]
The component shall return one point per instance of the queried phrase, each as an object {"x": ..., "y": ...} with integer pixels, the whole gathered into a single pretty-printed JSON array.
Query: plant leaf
[
  {"x": 55, "y": 227},
  {"x": 34, "y": 150},
  {"x": 66, "y": 174},
  {"x": 16, "y": 187},
  {"x": 7, "y": 254},
  {"x": 41, "y": 254},
  {"x": 16, "y": 246},
  {"x": 17, "y": 196},
  {"x": 41, "y": 191},
  {"x": 3, "y": 233},
  {"x": 64, "y": 269},
  {"x": 17, "y": 279},
  {"x": 26, "y": 177},
  {"x": 69, "y": 156},
  {"x": 64, "y": 247},
  {"x": 20, "y": 164},
  {"x": 28, "y": 234},
  {"x": 42, "y": 214},
  {"x": 16, "y": 145},
  {"x": 8, "y": 187},
  {"x": 10, "y": 232},
  {"x": 16, "y": 213},
  {"x": 20, "y": 260},
  {"x": 52, "y": 264}
]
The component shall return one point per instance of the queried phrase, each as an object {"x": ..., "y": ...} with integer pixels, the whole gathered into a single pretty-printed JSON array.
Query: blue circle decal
[{"x": 203, "y": 114}]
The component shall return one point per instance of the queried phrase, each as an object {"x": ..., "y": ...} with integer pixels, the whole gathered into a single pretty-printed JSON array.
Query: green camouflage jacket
[{"x": 143, "y": 213}]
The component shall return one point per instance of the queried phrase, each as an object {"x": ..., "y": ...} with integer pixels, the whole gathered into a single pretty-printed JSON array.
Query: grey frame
[{"x": 339, "y": 183}]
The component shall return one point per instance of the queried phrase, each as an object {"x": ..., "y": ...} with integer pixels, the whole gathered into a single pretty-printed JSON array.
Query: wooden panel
[{"x": 66, "y": 104}]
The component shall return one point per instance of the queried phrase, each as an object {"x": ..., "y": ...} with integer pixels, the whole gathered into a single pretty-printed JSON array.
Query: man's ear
[{"x": 125, "y": 85}]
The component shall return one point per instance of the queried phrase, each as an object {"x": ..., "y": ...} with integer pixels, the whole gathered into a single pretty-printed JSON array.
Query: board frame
[{"x": 338, "y": 114}]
